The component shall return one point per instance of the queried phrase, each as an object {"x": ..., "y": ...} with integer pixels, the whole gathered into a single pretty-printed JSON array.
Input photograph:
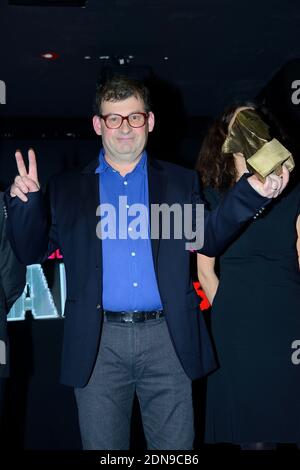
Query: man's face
[{"x": 125, "y": 144}]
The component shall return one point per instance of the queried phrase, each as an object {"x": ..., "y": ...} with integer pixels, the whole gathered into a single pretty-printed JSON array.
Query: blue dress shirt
[{"x": 129, "y": 280}]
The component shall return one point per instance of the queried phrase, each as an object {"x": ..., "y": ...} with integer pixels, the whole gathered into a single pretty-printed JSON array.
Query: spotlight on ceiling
[{"x": 50, "y": 55}]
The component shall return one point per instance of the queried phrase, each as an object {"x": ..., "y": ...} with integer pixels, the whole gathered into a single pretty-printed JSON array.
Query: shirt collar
[{"x": 105, "y": 166}]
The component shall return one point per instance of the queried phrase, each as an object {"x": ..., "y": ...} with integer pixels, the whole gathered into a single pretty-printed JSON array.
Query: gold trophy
[{"x": 249, "y": 135}]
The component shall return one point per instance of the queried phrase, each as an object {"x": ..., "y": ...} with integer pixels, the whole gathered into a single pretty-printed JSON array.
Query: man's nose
[{"x": 125, "y": 127}]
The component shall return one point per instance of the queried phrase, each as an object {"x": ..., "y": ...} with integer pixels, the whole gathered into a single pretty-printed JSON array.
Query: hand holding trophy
[{"x": 249, "y": 134}]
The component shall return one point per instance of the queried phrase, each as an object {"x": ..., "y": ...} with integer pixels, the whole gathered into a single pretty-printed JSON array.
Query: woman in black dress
[{"x": 254, "y": 396}]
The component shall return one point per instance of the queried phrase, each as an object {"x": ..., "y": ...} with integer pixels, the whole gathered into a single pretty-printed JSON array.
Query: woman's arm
[{"x": 207, "y": 276}]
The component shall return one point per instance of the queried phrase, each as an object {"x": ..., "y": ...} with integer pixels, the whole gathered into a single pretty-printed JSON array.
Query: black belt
[{"x": 132, "y": 317}]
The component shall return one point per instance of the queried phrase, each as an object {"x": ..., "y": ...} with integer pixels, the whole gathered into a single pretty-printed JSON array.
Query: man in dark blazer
[
  {"x": 12, "y": 283},
  {"x": 136, "y": 294}
]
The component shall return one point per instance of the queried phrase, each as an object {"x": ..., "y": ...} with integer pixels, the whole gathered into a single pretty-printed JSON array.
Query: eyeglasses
[{"x": 114, "y": 121}]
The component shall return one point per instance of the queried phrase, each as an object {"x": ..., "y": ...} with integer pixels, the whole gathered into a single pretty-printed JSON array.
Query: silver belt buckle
[{"x": 128, "y": 318}]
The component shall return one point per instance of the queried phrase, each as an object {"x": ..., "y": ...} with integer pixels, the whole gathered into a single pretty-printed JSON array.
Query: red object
[
  {"x": 204, "y": 304},
  {"x": 56, "y": 255}
]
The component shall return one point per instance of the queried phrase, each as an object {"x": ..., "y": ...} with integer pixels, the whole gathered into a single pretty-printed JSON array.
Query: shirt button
[
  {"x": 98, "y": 306},
  {"x": 133, "y": 253},
  {"x": 135, "y": 284},
  {"x": 125, "y": 182}
]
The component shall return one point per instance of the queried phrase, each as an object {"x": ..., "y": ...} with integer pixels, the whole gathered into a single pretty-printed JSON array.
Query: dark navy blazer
[{"x": 67, "y": 219}]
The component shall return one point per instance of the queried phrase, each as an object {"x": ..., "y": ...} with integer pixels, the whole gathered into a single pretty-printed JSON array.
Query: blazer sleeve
[
  {"x": 238, "y": 206},
  {"x": 31, "y": 227},
  {"x": 12, "y": 272}
]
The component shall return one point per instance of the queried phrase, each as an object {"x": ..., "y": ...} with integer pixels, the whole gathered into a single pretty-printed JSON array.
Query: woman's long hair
[{"x": 217, "y": 169}]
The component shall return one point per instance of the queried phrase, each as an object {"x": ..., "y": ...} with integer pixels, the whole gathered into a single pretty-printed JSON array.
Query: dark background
[{"x": 199, "y": 57}]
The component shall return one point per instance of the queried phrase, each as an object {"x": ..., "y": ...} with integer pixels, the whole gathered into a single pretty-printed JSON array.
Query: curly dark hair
[
  {"x": 217, "y": 169},
  {"x": 118, "y": 88}
]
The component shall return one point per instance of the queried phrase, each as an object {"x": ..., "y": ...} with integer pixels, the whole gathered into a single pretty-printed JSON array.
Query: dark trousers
[{"x": 136, "y": 357}]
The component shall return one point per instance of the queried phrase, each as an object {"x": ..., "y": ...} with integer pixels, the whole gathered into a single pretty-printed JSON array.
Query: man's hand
[
  {"x": 26, "y": 181},
  {"x": 273, "y": 186}
]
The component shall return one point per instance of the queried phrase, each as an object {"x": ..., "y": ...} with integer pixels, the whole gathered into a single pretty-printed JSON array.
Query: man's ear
[
  {"x": 151, "y": 121},
  {"x": 97, "y": 125}
]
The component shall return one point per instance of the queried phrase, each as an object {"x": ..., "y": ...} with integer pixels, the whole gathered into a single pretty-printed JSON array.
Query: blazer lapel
[
  {"x": 90, "y": 202},
  {"x": 157, "y": 182}
]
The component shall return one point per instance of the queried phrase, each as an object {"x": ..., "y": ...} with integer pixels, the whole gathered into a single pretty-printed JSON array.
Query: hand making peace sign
[{"x": 26, "y": 181}]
